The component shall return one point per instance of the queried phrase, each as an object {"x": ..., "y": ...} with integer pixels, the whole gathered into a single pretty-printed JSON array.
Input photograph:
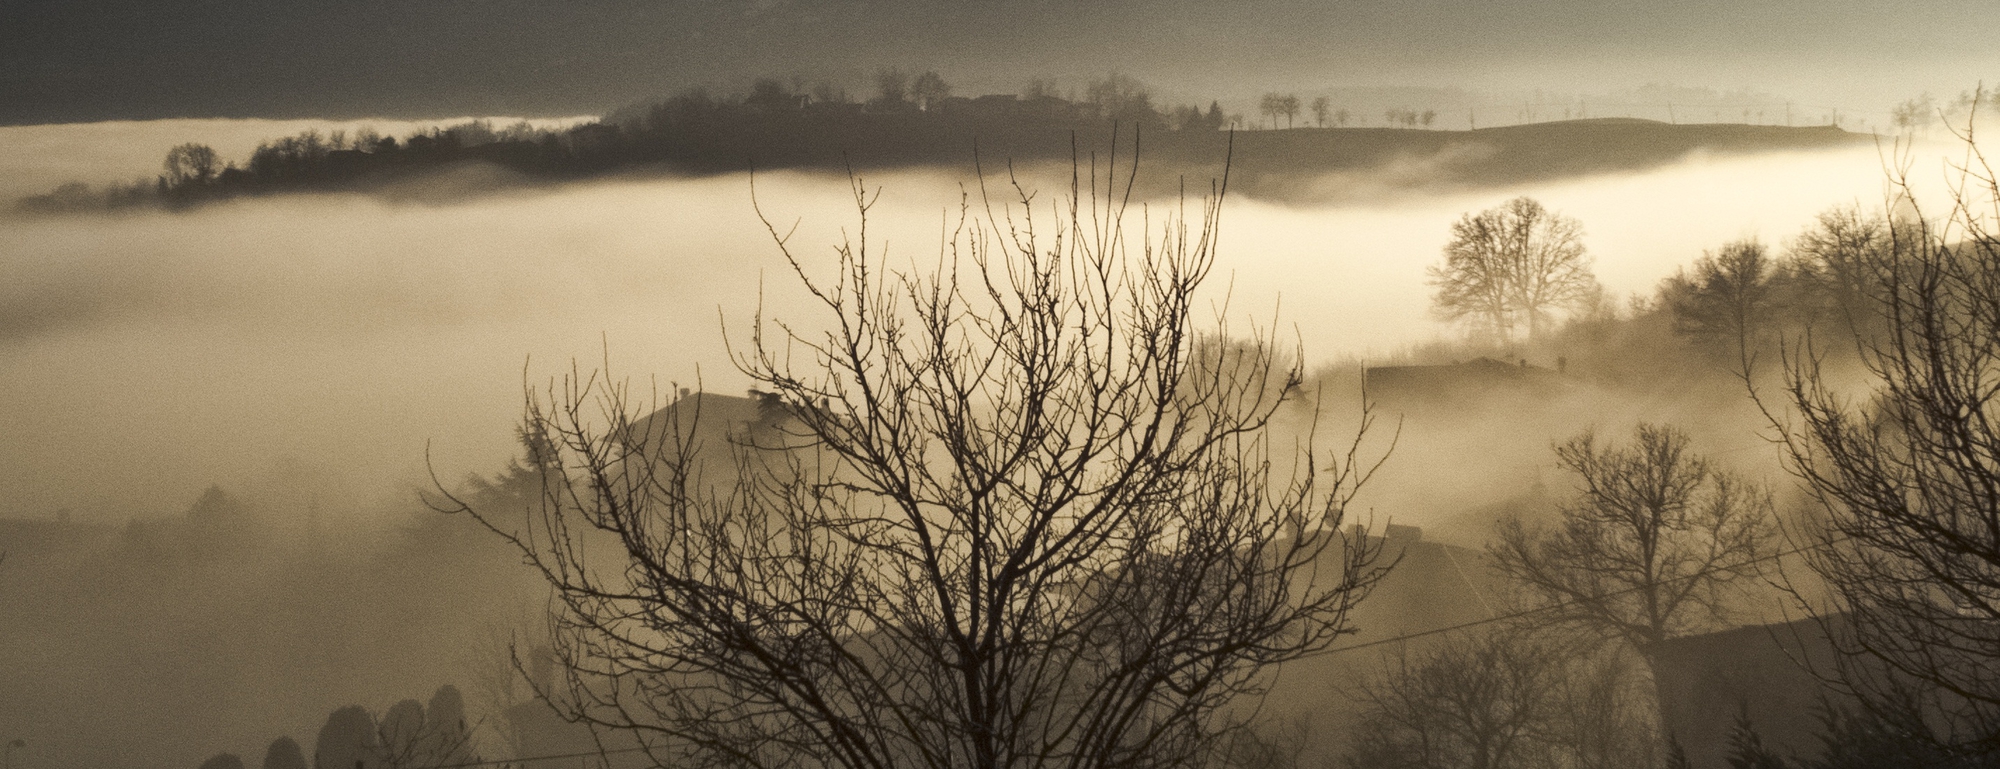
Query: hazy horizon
[{"x": 367, "y": 327}]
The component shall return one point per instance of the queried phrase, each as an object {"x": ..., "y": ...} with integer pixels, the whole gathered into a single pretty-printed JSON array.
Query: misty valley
[{"x": 780, "y": 426}]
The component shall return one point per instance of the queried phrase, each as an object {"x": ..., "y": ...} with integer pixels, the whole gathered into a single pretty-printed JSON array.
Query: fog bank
[{"x": 151, "y": 354}]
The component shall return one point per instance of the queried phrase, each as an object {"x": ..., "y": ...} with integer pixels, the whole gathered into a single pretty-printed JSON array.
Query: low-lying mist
[
  {"x": 152, "y": 354},
  {"x": 310, "y": 355}
]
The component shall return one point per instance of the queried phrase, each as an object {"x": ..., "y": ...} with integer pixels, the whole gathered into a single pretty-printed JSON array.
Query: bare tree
[
  {"x": 1729, "y": 297},
  {"x": 929, "y": 90},
  {"x": 1484, "y": 702},
  {"x": 1838, "y": 260},
  {"x": 1907, "y": 472},
  {"x": 1288, "y": 105},
  {"x": 1271, "y": 106},
  {"x": 1647, "y": 548},
  {"x": 1322, "y": 108},
  {"x": 1915, "y": 115},
  {"x": 1122, "y": 97},
  {"x": 892, "y": 88},
  {"x": 1606, "y": 709},
  {"x": 191, "y": 164},
  {"x": 1011, "y": 512},
  {"x": 1516, "y": 263}
]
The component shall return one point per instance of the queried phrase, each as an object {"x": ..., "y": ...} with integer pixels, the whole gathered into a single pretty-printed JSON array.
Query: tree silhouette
[
  {"x": 1016, "y": 512},
  {"x": 191, "y": 164},
  {"x": 1730, "y": 296},
  {"x": 892, "y": 89},
  {"x": 1322, "y": 108},
  {"x": 1514, "y": 264},
  {"x": 929, "y": 90},
  {"x": 1904, "y": 464},
  {"x": 1841, "y": 260},
  {"x": 1123, "y": 98},
  {"x": 1488, "y": 701},
  {"x": 1645, "y": 550}
]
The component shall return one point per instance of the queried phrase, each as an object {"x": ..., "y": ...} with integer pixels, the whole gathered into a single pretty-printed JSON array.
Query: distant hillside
[
  {"x": 1287, "y": 164},
  {"x": 696, "y": 135}
]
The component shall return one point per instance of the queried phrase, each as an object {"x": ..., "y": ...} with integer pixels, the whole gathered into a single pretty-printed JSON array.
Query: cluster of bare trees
[
  {"x": 1277, "y": 105},
  {"x": 1501, "y": 697},
  {"x": 1648, "y": 548},
  {"x": 1012, "y": 513},
  {"x": 1286, "y": 105},
  {"x": 1409, "y": 118},
  {"x": 1741, "y": 299},
  {"x": 895, "y": 89},
  {"x": 1907, "y": 473}
]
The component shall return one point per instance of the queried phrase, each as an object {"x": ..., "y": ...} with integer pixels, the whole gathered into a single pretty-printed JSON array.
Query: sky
[{"x": 65, "y": 61}]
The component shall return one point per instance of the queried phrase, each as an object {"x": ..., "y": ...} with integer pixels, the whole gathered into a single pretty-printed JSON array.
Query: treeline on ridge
[
  {"x": 776, "y": 124},
  {"x": 921, "y": 121}
]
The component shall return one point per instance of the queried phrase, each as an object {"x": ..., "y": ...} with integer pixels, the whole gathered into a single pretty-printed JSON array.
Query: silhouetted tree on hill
[
  {"x": 401, "y": 735},
  {"x": 771, "y": 95},
  {"x": 892, "y": 89},
  {"x": 1122, "y": 98},
  {"x": 928, "y": 90},
  {"x": 191, "y": 165}
]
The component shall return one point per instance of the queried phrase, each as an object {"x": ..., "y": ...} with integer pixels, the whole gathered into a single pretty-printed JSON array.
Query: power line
[
  {"x": 525, "y": 759},
  {"x": 1537, "y": 610}
]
